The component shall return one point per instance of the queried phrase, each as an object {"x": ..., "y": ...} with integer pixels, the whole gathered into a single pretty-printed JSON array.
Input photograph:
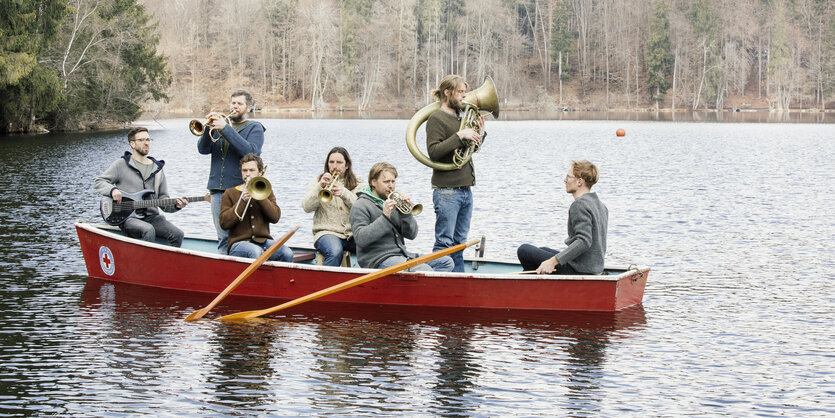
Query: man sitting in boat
[
  {"x": 134, "y": 173},
  {"x": 588, "y": 219},
  {"x": 330, "y": 196},
  {"x": 248, "y": 219},
  {"x": 379, "y": 229}
]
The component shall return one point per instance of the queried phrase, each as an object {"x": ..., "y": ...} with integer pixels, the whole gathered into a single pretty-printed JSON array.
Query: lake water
[{"x": 735, "y": 219}]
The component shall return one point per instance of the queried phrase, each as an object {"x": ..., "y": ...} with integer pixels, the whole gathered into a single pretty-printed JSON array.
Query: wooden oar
[
  {"x": 350, "y": 283},
  {"x": 524, "y": 272},
  {"x": 243, "y": 276}
]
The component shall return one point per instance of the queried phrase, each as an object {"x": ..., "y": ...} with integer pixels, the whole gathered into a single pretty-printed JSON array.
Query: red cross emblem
[{"x": 108, "y": 265}]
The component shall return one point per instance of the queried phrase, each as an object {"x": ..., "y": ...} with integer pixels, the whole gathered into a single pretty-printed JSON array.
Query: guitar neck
[{"x": 140, "y": 204}]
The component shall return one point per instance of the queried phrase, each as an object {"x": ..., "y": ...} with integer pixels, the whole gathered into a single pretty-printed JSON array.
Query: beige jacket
[{"x": 333, "y": 217}]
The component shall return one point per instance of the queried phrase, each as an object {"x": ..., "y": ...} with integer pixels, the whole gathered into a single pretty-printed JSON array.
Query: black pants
[{"x": 531, "y": 257}]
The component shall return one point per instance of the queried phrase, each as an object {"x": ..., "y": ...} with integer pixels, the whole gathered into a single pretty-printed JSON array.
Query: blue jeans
[
  {"x": 453, "y": 211},
  {"x": 331, "y": 247},
  {"x": 439, "y": 264},
  {"x": 222, "y": 234},
  {"x": 251, "y": 249}
]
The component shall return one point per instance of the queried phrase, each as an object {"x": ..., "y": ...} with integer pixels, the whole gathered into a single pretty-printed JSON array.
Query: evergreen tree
[
  {"x": 28, "y": 88},
  {"x": 562, "y": 39},
  {"x": 658, "y": 58}
]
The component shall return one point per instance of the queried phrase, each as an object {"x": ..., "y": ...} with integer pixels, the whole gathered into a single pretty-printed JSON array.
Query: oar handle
[
  {"x": 243, "y": 276},
  {"x": 351, "y": 283}
]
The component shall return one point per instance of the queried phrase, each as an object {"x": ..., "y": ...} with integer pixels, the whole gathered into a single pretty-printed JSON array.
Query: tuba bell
[{"x": 483, "y": 98}]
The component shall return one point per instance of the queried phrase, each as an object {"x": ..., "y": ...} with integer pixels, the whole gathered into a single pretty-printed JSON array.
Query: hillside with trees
[{"x": 104, "y": 60}]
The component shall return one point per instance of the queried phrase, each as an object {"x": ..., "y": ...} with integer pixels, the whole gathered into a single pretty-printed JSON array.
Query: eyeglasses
[
  {"x": 569, "y": 177},
  {"x": 142, "y": 139}
]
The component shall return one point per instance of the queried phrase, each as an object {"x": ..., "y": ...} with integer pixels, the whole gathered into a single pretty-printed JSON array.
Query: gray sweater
[
  {"x": 125, "y": 176},
  {"x": 376, "y": 236},
  {"x": 588, "y": 220}
]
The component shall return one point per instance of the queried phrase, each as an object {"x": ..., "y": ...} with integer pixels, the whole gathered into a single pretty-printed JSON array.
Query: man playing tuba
[{"x": 451, "y": 196}]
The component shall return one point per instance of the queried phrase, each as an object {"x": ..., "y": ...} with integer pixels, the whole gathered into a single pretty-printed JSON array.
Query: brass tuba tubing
[{"x": 405, "y": 206}]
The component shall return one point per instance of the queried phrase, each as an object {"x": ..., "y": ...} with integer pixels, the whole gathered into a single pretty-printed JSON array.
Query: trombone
[
  {"x": 405, "y": 206},
  {"x": 197, "y": 128},
  {"x": 326, "y": 195},
  {"x": 259, "y": 188}
]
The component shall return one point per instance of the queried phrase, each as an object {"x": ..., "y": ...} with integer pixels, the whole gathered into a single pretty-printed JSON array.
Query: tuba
[
  {"x": 259, "y": 188},
  {"x": 405, "y": 206},
  {"x": 197, "y": 128},
  {"x": 483, "y": 98}
]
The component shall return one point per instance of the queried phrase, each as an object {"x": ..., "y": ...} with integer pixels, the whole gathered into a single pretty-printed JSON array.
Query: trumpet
[
  {"x": 326, "y": 195},
  {"x": 405, "y": 206},
  {"x": 259, "y": 188},
  {"x": 197, "y": 128}
]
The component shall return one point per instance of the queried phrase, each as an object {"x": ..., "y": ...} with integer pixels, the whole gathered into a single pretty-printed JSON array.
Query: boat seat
[
  {"x": 346, "y": 259},
  {"x": 302, "y": 257}
]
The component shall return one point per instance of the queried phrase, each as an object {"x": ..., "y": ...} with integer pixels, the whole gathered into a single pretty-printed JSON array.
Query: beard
[{"x": 237, "y": 118}]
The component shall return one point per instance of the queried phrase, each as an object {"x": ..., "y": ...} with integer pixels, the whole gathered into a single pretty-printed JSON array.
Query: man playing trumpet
[
  {"x": 330, "y": 196},
  {"x": 248, "y": 220},
  {"x": 237, "y": 138},
  {"x": 380, "y": 229}
]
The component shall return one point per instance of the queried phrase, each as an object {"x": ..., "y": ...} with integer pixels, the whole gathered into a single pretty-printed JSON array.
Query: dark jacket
[{"x": 226, "y": 169}]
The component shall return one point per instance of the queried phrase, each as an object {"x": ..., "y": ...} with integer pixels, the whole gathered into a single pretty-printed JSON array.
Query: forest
[{"x": 85, "y": 63}]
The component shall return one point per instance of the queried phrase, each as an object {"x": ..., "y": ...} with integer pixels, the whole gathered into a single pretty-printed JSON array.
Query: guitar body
[
  {"x": 134, "y": 204},
  {"x": 115, "y": 214}
]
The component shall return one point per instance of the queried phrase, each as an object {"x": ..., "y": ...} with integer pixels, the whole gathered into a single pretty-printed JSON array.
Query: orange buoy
[{"x": 621, "y": 132}]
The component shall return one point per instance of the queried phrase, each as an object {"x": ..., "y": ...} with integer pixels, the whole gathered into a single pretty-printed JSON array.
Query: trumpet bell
[
  {"x": 196, "y": 127},
  {"x": 259, "y": 188},
  {"x": 325, "y": 196},
  {"x": 485, "y": 97}
]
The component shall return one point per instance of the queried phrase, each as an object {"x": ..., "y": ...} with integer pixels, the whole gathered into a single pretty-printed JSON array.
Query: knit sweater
[
  {"x": 235, "y": 142},
  {"x": 376, "y": 236},
  {"x": 332, "y": 217},
  {"x": 257, "y": 218},
  {"x": 588, "y": 220},
  {"x": 441, "y": 142}
]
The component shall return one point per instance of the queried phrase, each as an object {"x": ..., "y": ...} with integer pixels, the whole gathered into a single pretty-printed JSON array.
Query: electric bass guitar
[{"x": 134, "y": 204}]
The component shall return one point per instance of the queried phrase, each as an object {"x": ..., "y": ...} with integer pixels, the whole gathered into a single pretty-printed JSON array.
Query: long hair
[
  {"x": 450, "y": 82},
  {"x": 348, "y": 178}
]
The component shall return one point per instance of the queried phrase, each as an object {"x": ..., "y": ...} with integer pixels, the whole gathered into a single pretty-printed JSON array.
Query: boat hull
[{"x": 113, "y": 257}]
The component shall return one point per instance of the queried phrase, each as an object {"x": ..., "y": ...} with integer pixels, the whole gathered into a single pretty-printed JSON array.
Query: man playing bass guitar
[{"x": 133, "y": 173}]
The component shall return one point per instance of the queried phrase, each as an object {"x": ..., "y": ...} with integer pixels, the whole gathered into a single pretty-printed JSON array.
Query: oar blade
[
  {"x": 241, "y": 316},
  {"x": 243, "y": 276},
  {"x": 196, "y": 315}
]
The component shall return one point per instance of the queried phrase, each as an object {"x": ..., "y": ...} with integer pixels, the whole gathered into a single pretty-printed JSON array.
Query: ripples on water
[{"x": 735, "y": 220}]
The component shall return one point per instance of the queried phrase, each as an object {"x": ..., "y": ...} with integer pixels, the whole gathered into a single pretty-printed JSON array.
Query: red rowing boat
[{"x": 196, "y": 267}]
